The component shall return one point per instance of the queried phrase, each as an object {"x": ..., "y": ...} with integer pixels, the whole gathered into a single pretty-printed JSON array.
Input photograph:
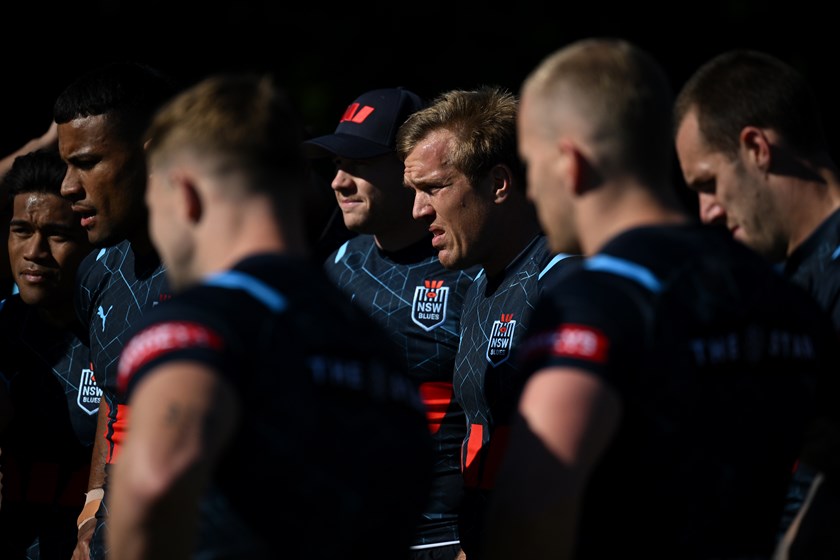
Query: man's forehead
[
  {"x": 53, "y": 203},
  {"x": 87, "y": 134}
]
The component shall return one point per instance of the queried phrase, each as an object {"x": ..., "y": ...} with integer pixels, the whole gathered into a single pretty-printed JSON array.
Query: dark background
[{"x": 328, "y": 54}]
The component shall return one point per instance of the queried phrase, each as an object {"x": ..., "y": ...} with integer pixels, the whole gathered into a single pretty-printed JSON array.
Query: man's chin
[
  {"x": 449, "y": 260},
  {"x": 34, "y": 297}
]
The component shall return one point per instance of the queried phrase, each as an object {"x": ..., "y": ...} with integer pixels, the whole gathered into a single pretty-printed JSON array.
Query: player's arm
[
  {"x": 49, "y": 139},
  {"x": 182, "y": 415},
  {"x": 86, "y": 521},
  {"x": 99, "y": 456},
  {"x": 567, "y": 418}
]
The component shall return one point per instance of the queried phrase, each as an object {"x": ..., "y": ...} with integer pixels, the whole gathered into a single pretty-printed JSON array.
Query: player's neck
[
  {"x": 58, "y": 316},
  {"x": 406, "y": 234},
  {"x": 604, "y": 217}
]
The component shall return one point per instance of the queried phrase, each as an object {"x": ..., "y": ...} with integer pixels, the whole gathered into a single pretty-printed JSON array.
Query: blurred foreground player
[{"x": 259, "y": 387}]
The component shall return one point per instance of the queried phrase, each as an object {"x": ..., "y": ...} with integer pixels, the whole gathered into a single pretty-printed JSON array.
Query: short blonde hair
[
  {"x": 244, "y": 122},
  {"x": 623, "y": 98}
]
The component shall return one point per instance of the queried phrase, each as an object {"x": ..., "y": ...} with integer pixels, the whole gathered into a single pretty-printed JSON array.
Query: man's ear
[
  {"x": 579, "y": 172},
  {"x": 194, "y": 203},
  {"x": 189, "y": 197},
  {"x": 756, "y": 147},
  {"x": 502, "y": 182}
]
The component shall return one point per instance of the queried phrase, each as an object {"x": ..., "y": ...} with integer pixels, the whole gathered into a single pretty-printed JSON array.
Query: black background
[{"x": 328, "y": 54}]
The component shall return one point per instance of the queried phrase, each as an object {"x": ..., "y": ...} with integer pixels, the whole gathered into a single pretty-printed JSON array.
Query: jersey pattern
[
  {"x": 418, "y": 302},
  {"x": 115, "y": 289},
  {"x": 46, "y": 449},
  {"x": 332, "y": 432},
  {"x": 496, "y": 316},
  {"x": 715, "y": 358},
  {"x": 815, "y": 265}
]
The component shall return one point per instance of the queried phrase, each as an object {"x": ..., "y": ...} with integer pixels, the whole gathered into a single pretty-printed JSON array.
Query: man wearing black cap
[{"x": 392, "y": 271}]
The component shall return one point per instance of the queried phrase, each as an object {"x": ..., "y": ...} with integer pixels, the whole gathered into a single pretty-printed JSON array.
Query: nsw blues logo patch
[
  {"x": 89, "y": 393},
  {"x": 501, "y": 339},
  {"x": 428, "y": 310}
]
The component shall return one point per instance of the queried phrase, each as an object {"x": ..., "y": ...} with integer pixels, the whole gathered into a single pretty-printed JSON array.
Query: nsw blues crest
[
  {"x": 501, "y": 339},
  {"x": 89, "y": 393},
  {"x": 428, "y": 310}
]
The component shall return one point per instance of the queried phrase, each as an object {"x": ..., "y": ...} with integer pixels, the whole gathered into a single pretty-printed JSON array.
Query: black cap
[{"x": 369, "y": 125}]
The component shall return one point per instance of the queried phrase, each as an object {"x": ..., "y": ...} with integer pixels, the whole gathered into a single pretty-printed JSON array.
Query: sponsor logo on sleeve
[
  {"x": 161, "y": 339},
  {"x": 580, "y": 342}
]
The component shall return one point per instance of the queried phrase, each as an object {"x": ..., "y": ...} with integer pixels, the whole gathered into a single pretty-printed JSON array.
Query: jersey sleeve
[
  {"x": 170, "y": 333},
  {"x": 583, "y": 322}
]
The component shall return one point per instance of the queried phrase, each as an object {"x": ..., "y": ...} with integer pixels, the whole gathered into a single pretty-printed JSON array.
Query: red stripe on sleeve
[{"x": 159, "y": 339}]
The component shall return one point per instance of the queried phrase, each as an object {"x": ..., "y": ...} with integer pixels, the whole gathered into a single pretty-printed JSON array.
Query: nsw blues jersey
[
  {"x": 496, "y": 316},
  {"x": 115, "y": 288},
  {"x": 815, "y": 265},
  {"x": 418, "y": 302},
  {"x": 46, "y": 448}
]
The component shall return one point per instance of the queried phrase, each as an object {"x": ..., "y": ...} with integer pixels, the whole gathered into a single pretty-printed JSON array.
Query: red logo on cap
[{"x": 355, "y": 114}]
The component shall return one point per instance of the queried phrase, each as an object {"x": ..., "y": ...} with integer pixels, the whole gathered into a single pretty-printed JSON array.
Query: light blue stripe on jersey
[
  {"x": 557, "y": 258},
  {"x": 835, "y": 254},
  {"x": 434, "y": 545},
  {"x": 258, "y": 289},
  {"x": 341, "y": 251},
  {"x": 628, "y": 269}
]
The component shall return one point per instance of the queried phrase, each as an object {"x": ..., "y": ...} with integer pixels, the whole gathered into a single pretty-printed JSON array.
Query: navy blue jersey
[
  {"x": 332, "y": 435},
  {"x": 815, "y": 265},
  {"x": 46, "y": 448},
  {"x": 716, "y": 359},
  {"x": 418, "y": 302},
  {"x": 114, "y": 290},
  {"x": 495, "y": 318}
]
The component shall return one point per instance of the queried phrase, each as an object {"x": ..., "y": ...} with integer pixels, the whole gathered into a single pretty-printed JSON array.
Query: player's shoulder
[
  {"x": 11, "y": 303},
  {"x": 355, "y": 245},
  {"x": 12, "y": 309},
  {"x": 91, "y": 263},
  {"x": 104, "y": 261},
  {"x": 548, "y": 265}
]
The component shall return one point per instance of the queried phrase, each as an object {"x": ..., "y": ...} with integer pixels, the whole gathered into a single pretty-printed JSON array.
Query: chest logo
[
  {"x": 89, "y": 393},
  {"x": 501, "y": 339},
  {"x": 428, "y": 310}
]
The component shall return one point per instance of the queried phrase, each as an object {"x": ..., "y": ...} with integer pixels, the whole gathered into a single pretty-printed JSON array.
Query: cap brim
[{"x": 343, "y": 145}]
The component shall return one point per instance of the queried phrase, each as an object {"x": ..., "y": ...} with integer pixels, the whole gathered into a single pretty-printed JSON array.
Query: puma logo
[{"x": 104, "y": 315}]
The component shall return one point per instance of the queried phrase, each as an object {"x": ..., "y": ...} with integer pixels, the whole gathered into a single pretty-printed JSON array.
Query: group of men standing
[{"x": 525, "y": 348}]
